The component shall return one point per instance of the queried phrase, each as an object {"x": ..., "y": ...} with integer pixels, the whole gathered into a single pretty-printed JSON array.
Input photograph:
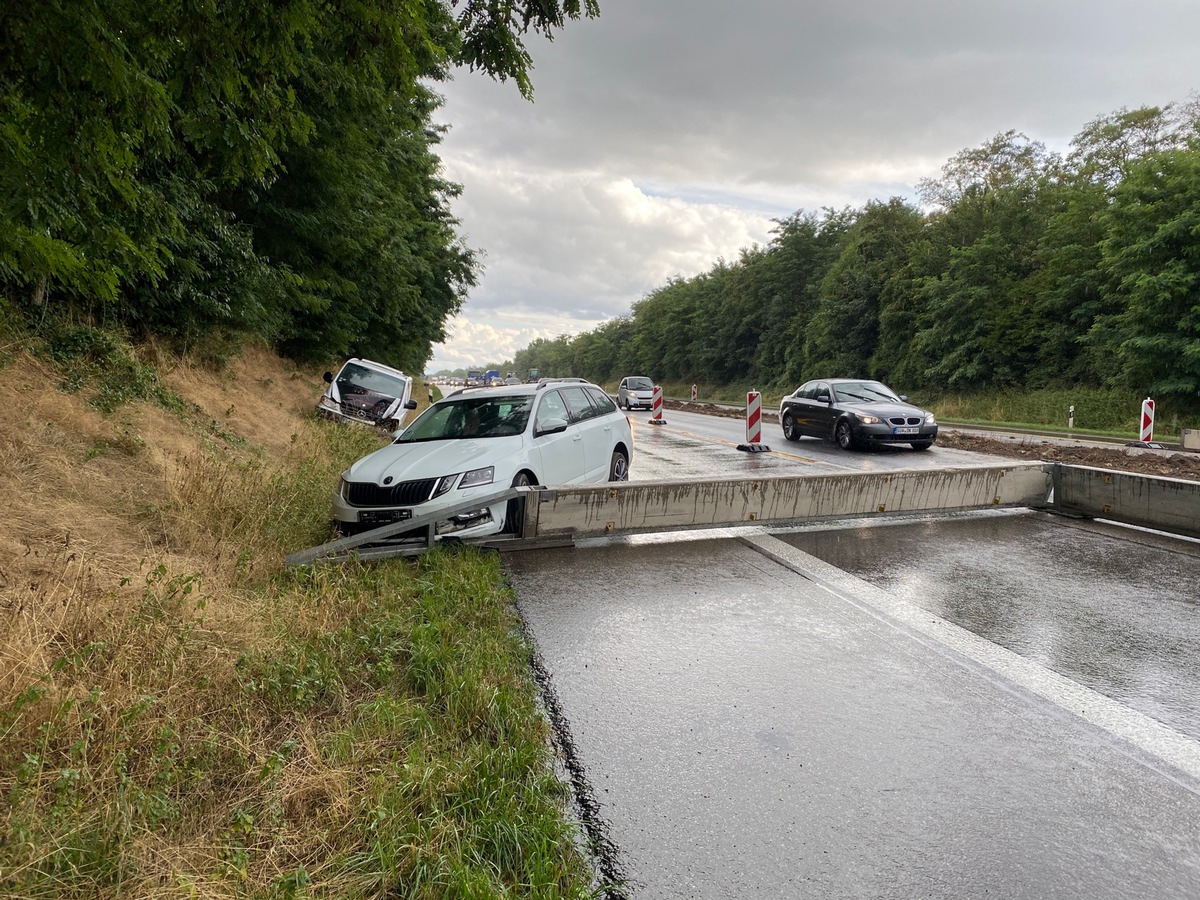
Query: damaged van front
[{"x": 368, "y": 393}]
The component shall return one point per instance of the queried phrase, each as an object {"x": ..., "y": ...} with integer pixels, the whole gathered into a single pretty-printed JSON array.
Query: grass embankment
[
  {"x": 179, "y": 715},
  {"x": 1100, "y": 411}
]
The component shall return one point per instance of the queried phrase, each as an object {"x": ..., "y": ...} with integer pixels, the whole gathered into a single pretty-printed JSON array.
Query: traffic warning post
[
  {"x": 754, "y": 425},
  {"x": 656, "y": 404},
  {"x": 1147, "y": 434}
]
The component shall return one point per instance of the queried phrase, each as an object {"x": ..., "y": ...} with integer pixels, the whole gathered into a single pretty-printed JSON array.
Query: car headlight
[
  {"x": 444, "y": 484},
  {"x": 930, "y": 420},
  {"x": 476, "y": 477},
  {"x": 870, "y": 420}
]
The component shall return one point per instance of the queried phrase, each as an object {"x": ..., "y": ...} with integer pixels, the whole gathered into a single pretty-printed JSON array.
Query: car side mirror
[
  {"x": 328, "y": 376},
  {"x": 824, "y": 398},
  {"x": 411, "y": 404},
  {"x": 552, "y": 426},
  {"x": 904, "y": 398}
]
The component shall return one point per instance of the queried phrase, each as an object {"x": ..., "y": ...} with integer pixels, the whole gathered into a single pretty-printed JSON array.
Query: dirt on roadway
[
  {"x": 1178, "y": 464},
  {"x": 1171, "y": 464}
]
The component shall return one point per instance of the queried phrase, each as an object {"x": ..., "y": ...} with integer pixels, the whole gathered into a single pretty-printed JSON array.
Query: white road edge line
[{"x": 1151, "y": 737}]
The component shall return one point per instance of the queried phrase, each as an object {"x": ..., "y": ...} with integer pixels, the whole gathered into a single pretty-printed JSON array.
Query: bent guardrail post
[{"x": 343, "y": 548}]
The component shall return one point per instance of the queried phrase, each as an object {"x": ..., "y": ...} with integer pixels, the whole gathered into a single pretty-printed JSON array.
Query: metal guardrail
[{"x": 394, "y": 539}]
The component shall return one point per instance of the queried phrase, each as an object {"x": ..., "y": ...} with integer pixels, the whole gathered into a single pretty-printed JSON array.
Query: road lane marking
[
  {"x": 717, "y": 440},
  {"x": 1177, "y": 755}
]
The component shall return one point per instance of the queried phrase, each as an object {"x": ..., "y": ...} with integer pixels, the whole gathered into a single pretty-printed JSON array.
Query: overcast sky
[{"x": 667, "y": 134}]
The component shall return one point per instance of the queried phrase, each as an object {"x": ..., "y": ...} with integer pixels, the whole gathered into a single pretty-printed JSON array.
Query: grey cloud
[{"x": 725, "y": 113}]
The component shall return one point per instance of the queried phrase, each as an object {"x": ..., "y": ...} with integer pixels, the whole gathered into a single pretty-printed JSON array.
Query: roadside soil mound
[{"x": 1177, "y": 464}]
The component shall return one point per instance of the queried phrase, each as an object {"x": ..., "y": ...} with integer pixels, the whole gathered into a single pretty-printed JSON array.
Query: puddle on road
[{"x": 1116, "y": 610}]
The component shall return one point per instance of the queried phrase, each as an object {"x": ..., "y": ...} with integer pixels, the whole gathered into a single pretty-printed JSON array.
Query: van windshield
[{"x": 356, "y": 379}]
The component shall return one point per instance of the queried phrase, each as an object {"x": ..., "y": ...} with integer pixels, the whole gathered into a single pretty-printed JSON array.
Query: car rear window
[
  {"x": 601, "y": 400},
  {"x": 580, "y": 404}
]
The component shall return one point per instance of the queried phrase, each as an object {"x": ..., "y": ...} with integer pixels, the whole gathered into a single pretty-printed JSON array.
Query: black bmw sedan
[{"x": 855, "y": 413}]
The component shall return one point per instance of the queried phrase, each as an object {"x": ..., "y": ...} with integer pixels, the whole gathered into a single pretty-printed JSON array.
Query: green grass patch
[
  {"x": 1101, "y": 411},
  {"x": 102, "y": 365}
]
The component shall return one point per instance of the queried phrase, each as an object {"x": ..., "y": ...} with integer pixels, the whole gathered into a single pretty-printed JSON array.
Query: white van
[{"x": 368, "y": 393}]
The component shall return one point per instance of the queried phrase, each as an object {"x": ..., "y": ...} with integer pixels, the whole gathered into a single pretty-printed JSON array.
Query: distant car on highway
[
  {"x": 635, "y": 392},
  {"x": 477, "y": 442},
  {"x": 855, "y": 413}
]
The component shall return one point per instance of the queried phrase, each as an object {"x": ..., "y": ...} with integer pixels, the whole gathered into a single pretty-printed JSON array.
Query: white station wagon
[{"x": 477, "y": 443}]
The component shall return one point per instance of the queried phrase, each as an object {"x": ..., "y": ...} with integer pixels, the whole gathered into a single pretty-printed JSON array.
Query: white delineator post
[
  {"x": 753, "y": 424},
  {"x": 1147, "y": 421},
  {"x": 656, "y": 406}
]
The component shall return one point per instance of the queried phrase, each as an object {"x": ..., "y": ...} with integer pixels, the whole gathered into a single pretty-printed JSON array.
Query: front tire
[
  {"x": 922, "y": 445},
  {"x": 618, "y": 466},
  {"x": 513, "y": 511},
  {"x": 790, "y": 432},
  {"x": 843, "y": 436}
]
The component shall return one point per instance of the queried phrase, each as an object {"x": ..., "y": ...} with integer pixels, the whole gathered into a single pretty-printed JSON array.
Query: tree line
[
  {"x": 208, "y": 173},
  {"x": 1020, "y": 268}
]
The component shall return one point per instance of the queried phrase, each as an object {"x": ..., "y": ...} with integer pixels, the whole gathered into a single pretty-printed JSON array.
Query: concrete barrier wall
[
  {"x": 1166, "y": 504},
  {"x": 633, "y": 507}
]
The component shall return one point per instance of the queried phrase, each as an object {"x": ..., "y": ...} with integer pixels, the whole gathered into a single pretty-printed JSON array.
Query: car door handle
[{"x": 577, "y": 437}]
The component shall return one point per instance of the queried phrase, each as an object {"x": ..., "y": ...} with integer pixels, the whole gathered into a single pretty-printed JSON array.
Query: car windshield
[
  {"x": 640, "y": 384},
  {"x": 356, "y": 379},
  {"x": 865, "y": 392},
  {"x": 470, "y": 417}
]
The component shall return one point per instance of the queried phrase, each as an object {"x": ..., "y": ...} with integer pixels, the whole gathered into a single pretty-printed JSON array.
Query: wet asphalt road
[
  {"x": 749, "y": 730},
  {"x": 1115, "y": 609},
  {"x": 691, "y": 444},
  {"x": 989, "y": 705}
]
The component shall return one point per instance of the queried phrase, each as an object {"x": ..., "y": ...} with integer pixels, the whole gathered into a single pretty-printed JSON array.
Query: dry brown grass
[
  {"x": 180, "y": 716},
  {"x": 114, "y": 584}
]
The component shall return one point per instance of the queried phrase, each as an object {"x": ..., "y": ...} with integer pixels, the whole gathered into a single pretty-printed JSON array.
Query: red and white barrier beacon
[
  {"x": 1147, "y": 421},
  {"x": 754, "y": 425},
  {"x": 656, "y": 406}
]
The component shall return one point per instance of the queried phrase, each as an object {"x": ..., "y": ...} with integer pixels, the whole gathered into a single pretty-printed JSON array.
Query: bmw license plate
[
  {"x": 383, "y": 516},
  {"x": 906, "y": 429}
]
